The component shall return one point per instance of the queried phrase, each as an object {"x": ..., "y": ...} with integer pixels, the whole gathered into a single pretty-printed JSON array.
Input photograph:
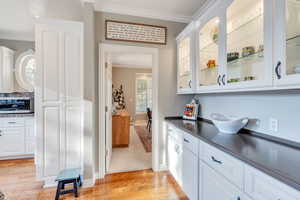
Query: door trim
[{"x": 110, "y": 48}]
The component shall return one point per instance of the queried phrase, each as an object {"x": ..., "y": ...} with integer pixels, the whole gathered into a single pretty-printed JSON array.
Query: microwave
[{"x": 16, "y": 105}]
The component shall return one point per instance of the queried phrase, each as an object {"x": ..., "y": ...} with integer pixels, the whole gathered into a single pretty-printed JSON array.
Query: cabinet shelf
[
  {"x": 250, "y": 58},
  {"x": 209, "y": 68},
  {"x": 293, "y": 41}
]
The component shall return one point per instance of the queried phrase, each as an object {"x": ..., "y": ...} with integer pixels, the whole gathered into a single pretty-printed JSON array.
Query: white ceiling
[
  {"x": 130, "y": 60},
  {"x": 172, "y": 10},
  {"x": 16, "y": 21}
]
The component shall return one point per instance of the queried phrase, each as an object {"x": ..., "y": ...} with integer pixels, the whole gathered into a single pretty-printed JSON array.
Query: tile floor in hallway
[{"x": 132, "y": 158}]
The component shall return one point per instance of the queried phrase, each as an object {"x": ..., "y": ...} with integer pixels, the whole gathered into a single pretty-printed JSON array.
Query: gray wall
[
  {"x": 127, "y": 77},
  {"x": 19, "y": 47},
  {"x": 169, "y": 102},
  {"x": 260, "y": 107}
]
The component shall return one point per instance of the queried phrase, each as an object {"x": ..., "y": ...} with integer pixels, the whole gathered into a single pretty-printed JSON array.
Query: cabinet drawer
[
  {"x": 12, "y": 141},
  {"x": 225, "y": 164},
  {"x": 263, "y": 187},
  {"x": 12, "y": 122},
  {"x": 190, "y": 142}
]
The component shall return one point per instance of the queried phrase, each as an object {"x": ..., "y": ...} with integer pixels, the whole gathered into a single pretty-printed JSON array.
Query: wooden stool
[{"x": 68, "y": 176}]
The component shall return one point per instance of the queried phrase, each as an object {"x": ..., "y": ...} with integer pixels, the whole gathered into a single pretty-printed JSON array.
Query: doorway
[{"x": 121, "y": 73}]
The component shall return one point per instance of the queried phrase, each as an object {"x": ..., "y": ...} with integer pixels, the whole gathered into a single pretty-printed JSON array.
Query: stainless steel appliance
[{"x": 16, "y": 105}]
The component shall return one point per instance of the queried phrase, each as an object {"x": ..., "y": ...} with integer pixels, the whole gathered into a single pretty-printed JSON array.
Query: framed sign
[{"x": 134, "y": 32}]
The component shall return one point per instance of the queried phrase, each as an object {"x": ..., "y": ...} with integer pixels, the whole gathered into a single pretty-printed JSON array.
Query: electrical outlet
[{"x": 273, "y": 124}]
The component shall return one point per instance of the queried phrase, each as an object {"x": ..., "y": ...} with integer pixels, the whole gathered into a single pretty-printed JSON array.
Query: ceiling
[
  {"x": 132, "y": 60},
  {"x": 171, "y": 10}
]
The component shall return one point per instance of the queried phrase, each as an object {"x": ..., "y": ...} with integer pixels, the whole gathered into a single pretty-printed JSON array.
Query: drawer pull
[
  {"x": 185, "y": 140},
  {"x": 12, "y": 122},
  {"x": 215, "y": 160}
]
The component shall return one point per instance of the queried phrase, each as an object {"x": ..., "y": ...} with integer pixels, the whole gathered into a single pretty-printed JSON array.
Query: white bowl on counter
[{"x": 228, "y": 125}]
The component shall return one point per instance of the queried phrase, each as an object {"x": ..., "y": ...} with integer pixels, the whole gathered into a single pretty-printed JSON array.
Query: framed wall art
[{"x": 134, "y": 32}]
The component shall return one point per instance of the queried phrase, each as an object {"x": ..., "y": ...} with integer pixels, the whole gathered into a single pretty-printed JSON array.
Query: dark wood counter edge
[{"x": 275, "y": 174}]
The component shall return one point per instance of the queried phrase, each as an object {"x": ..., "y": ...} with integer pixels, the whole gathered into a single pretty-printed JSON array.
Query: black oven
[{"x": 16, "y": 105}]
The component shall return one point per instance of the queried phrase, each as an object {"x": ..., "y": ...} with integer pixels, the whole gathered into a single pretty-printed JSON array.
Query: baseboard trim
[{"x": 17, "y": 157}]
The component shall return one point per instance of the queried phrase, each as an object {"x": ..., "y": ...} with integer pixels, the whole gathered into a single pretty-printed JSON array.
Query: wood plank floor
[{"x": 17, "y": 181}]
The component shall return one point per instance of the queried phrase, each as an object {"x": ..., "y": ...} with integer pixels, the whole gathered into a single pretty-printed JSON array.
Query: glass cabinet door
[
  {"x": 245, "y": 43},
  {"x": 184, "y": 65},
  {"x": 287, "y": 42},
  {"x": 208, "y": 63}
]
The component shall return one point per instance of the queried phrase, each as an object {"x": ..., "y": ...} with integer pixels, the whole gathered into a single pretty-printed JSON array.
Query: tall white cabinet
[
  {"x": 59, "y": 97},
  {"x": 6, "y": 70}
]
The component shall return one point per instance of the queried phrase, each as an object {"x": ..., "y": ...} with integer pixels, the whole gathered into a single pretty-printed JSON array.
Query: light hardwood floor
[{"x": 17, "y": 180}]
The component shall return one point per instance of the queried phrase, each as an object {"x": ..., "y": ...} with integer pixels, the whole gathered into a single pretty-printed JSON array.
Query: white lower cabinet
[
  {"x": 190, "y": 174},
  {"x": 263, "y": 187},
  {"x": 213, "y": 186},
  {"x": 17, "y": 137},
  {"x": 207, "y": 173}
]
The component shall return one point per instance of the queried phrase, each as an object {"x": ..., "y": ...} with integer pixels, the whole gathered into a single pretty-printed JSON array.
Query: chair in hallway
[{"x": 149, "y": 115}]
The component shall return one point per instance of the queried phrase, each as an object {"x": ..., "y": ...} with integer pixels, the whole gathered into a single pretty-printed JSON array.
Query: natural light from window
[{"x": 143, "y": 92}]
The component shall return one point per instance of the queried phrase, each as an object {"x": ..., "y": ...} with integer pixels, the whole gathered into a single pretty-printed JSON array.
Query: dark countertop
[{"x": 279, "y": 160}]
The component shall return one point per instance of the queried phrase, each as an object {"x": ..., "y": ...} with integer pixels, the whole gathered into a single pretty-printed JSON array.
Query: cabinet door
[
  {"x": 6, "y": 70},
  {"x": 12, "y": 141},
  {"x": 248, "y": 44},
  {"x": 287, "y": 43},
  {"x": 209, "y": 68},
  {"x": 214, "y": 186},
  {"x": 175, "y": 159},
  {"x": 185, "y": 64},
  {"x": 190, "y": 174}
]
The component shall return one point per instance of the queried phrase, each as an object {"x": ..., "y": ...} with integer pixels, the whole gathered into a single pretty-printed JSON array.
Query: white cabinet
[
  {"x": 286, "y": 46},
  {"x": 262, "y": 187},
  {"x": 59, "y": 97},
  {"x": 6, "y": 70},
  {"x": 214, "y": 186},
  {"x": 17, "y": 137},
  {"x": 244, "y": 45},
  {"x": 175, "y": 157},
  {"x": 190, "y": 174},
  {"x": 186, "y": 61}
]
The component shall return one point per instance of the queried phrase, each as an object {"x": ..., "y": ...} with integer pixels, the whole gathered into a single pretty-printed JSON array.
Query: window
[
  {"x": 143, "y": 92},
  {"x": 25, "y": 70}
]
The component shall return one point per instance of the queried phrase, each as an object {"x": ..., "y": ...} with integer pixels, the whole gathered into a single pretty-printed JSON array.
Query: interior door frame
[{"x": 104, "y": 49}]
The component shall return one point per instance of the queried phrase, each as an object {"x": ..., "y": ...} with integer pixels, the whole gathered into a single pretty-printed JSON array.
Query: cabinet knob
[
  {"x": 277, "y": 70},
  {"x": 185, "y": 140},
  {"x": 190, "y": 83},
  {"x": 215, "y": 160},
  {"x": 219, "y": 77},
  {"x": 223, "y": 79}
]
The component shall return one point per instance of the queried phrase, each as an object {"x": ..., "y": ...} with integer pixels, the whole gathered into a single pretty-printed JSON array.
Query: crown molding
[
  {"x": 117, "y": 9},
  {"x": 205, "y": 6}
]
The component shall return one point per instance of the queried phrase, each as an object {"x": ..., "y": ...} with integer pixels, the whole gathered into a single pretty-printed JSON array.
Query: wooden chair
[
  {"x": 68, "y": 176},
  {"x": 149, "y": 115}
]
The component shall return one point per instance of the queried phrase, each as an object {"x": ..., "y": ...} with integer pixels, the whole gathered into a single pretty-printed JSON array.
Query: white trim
[
  {"x": 108, "y": 48},
  {"x": 87, "y": 1},
  {"x": 17, "y": 36},
  {"x": 17, "y": 157},
  {"x": 124, "y": 10}
]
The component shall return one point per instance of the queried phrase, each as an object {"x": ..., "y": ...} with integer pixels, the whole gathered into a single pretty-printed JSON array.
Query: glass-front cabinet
[
  {"x": 249, "y": 43},
  {"x": 287, "y": 43},
  {"x": 185, "y": 62},
  {"x": 242, "y": 45},
  {"x": 208, "y": 68}
]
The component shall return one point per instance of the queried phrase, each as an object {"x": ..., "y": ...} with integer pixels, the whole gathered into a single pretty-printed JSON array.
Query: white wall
[{"x": 260, "y": 107}]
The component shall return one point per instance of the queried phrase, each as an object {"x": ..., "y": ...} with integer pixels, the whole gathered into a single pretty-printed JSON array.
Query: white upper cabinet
[
  {"x": 248, "y": 44},
  {"x": 287, "y": 43},
  {"x": 6, "y": 70},
  {"x": 209, "y": 66},
  {"x": 185, "y": 61},
  {"x": 241, "y": 45}
]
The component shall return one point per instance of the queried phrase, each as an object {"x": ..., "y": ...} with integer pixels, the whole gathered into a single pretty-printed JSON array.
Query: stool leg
[
  {"x": 63, "y": 186},
  {"x": 58, "y": 190},
  {"x": 75, "y": 188}
]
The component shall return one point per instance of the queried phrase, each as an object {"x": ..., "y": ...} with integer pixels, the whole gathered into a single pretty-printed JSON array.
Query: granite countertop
[{"x": 275, "y": 158}]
